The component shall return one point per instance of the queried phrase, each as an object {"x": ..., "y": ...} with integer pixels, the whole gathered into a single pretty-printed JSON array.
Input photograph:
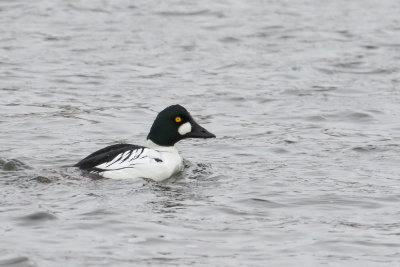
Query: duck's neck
[{"x": 154, "y": 146}]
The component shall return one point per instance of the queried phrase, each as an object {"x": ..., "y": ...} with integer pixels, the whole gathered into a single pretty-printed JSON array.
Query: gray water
[{"x": 304, "y": 97}]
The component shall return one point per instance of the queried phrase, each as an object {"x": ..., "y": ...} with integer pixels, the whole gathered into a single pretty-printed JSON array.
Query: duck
[{"x": 157, "y": 161}]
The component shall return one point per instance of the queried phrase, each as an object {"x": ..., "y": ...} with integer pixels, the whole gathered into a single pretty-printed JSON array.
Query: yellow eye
[{"x": 178, "y": 119}]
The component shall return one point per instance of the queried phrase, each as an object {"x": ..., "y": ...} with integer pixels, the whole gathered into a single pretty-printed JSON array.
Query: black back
[{"x": 104, "y": 155}]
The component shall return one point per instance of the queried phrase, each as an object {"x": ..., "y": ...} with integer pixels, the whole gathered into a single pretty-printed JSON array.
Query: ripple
[
  {"x": 337, "y": 202},
  {"x": 377, "y": 226},
  {"x": 350, "y": 116},
  {"x": 260, "y": 203},
  {"x": 356, "y": 67},
  {"x": 204, "y": 12},
  {"x": 37, "y": 218},
  {"x": 230, "y": 39},
  {"x": 42, "y": 179},
  {"x": 12, "y": 260},
  {"x": 315, "y": 118},
  {"x": 320, "y": 88},
  {"x": 98, "y": 213},
  {"x": 365, "y": 149},
  {"x": 13, "y": 165}
]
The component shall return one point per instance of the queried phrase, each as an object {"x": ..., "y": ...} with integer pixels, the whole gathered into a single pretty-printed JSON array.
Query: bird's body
[
  {"x": 124, "y": 161},
  {"x": 159, "y": 161}
]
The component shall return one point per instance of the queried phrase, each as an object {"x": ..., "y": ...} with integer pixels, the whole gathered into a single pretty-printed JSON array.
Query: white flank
[
  {"x": 156, "y": 162},
  {"x": 185, "y": 128}
]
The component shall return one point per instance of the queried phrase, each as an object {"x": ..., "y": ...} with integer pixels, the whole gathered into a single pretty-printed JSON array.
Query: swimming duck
[{"x": 159, "y": 160}]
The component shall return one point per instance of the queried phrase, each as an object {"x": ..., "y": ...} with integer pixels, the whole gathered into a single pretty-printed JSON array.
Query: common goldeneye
[{"x": 159, "y": 161}]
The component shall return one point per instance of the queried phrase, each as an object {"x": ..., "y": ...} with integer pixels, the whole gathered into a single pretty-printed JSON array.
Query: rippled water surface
[{"x": 304, "y": 97}]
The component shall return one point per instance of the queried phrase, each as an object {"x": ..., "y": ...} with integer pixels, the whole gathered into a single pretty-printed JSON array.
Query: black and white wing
[{"x": 117, "y": 157}]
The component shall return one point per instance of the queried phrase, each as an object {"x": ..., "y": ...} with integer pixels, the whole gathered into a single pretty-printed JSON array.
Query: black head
[{"x": 174, "y": 124}]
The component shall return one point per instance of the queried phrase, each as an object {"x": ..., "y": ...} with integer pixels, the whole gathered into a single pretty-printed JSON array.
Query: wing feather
[{"x": 108, "y": 155}]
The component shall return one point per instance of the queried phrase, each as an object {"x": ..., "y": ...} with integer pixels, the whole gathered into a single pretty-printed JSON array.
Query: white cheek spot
[{"x": 185, "y": 128}]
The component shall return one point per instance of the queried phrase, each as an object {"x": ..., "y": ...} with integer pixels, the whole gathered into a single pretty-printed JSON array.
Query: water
[{"x": 302, "y": 95}]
